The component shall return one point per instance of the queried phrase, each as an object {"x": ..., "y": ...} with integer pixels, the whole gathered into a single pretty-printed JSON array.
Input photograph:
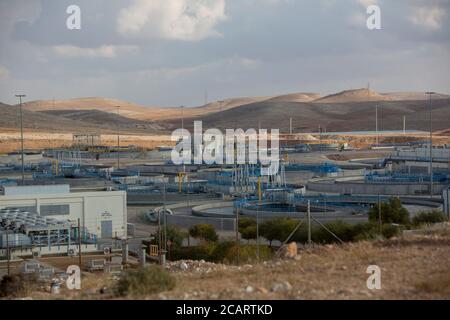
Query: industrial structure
[{"x": 48, "y": 217}]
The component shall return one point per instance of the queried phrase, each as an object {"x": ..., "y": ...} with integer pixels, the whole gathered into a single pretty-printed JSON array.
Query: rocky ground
[{"x": 412, "y": 267}]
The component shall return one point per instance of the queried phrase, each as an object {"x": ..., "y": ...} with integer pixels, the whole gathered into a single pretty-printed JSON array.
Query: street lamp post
[
  {"x": 118, "y": 137},
  {"x": 20, "y": 96},
  {"x": 431, "y": 142}
]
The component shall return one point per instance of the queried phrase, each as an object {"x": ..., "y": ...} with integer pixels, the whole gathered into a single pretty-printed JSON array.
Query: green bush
[
  {"x": 341, "y": 229},
  {"x": 391, "y": 212},
  {"x": 174, "y": 234},
  {"x": 223, "y": 252},
  {"x": 219, "y": 251},
  {"x": 145, "y": 281},
  {"x": 205, "y": 232},
  {"x": 248, "y": 254},
  {"x": 345, "y": 231},
  {"x": 246, "y": 222},
  {"x": 202, "y": 252},
  {"x": 249, "y": 233},
  {"x": 16, "y": 286},
  {"x": 428, "y": 217},
  {"x": 277, "y": 229},
  {"x": 388, "y": 230}
]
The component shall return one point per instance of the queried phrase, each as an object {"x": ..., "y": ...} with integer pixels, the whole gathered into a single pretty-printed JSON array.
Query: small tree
[
  {"x": 277, "y": 229},
  {"x": 246, "y": 222},
  {"x": 249, "y": 233},
  {"x": 247, "y": 228},
  {"x": 205, "y": 232},
  {"x": 391, "y": 212},
  {"x": 174, "y": 235},
  {"x": 428, "y": 217}
]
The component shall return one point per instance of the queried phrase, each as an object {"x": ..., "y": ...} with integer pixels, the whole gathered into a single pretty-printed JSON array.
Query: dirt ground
[
  {"x": 10, "y": 141},
  {"x": 412, "y": 267}
]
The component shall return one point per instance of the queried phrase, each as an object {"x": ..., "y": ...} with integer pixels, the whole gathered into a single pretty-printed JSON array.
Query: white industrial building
[{"x": 102, "y": 214}]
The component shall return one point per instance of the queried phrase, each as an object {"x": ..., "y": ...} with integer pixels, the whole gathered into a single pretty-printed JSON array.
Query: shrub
[
  {"x": 192, "y": 253},
  {"x": 428, "y": 217},
  {"x": 223, "y": 252},
  {"x": 247, "y": 228},
  {"x": 219, "y": 251},
  {"x": 391, "y": 212},
  {"x": 249, "y": 233},
  {"x": 248, "y": 254},
  {"x": 174, "y": 234},
  {"x": 277, "y": 229},
  {"x": 246, "y": 222},
  {"x": 17, "y": 285},
  {"x": 388, "y": 230},
  {"x": 144, "y": 281},
  {"x": 205, "y": 232},
  {"x": 341, "y": 229}
]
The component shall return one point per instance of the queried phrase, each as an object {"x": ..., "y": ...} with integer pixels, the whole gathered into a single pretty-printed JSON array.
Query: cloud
[
  {"x": 430, "y": 18},
  {"x": 188, "y": 20},
  {"x": 107, "y": 51},
  {"x": 4, "y": 73}
]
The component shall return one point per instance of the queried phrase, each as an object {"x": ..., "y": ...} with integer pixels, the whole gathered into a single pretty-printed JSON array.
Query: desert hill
[
  {"x": 296, "y": 97},
  {"x": 417, "y": 96},
  {"x": 332, "y": 117},
  {"x": 358, "y": 95},
  {"x": 345, "y": 111}
]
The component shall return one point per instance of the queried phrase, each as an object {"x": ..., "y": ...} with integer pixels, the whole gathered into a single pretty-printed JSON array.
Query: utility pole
[
  {"x": 309, "y": 223},
  {"x": 404, "y": 125},
  {"x": 8, "y": 256},
  {"x": 79, "y": 244},
  {"x": 20, "y": 96},
  {"x": 159, "y": 238},
  {"x": 380, "y": 224},
  {"x": 221, "y": 105},
  {"x": 165, "y": 219},
  {"x": 257, "y": 232},
  {"x": 376, "y": 123},
  {"x": 237, "y": 235},
  {"x": 118, "y": 137},
  {"x": 431, "y": 143},
  {"x": 320, "y": 138},
  {"x": 182, "y": 127}
]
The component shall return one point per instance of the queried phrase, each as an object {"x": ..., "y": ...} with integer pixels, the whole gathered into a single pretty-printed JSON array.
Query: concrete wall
[{"x": 349, "y": 187}]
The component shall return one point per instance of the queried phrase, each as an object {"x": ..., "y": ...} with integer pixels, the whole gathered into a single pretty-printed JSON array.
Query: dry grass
[{"x": 412, "y": 267}]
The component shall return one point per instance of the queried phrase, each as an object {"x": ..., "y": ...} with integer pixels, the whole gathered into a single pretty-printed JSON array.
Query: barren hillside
[
  {"x": 332, "y": 117},
  {"x": 358, "y": 95},
  {"x": 345, "y": 111}
]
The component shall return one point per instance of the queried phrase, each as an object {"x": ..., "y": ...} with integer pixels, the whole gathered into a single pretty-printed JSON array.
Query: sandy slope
[{"x": 358, "y": 95}]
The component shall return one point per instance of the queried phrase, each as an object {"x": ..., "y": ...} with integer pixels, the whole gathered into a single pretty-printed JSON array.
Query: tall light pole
[
  {"x": 20, "y": 96},
  {"x": 182, "y": 127},
  {"x": 376, "y": 124},
  {"x": 118, "y": 137},
  {"x": 429, "y": 93}
]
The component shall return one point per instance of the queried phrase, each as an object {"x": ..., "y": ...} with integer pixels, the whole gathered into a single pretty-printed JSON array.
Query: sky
[{"x": 183, "y": 52}]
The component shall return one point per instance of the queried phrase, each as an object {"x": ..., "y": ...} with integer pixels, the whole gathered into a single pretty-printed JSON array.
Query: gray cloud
[{"x": 229, "y": 47}]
